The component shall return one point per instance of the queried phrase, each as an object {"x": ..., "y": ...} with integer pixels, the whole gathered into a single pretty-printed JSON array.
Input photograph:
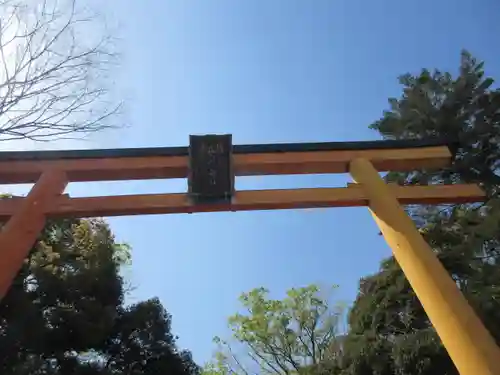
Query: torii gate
[{"x": 211, "y": 162}]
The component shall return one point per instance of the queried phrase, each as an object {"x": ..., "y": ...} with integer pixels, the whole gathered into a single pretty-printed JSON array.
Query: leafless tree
[{"x": 55, "y": 64}]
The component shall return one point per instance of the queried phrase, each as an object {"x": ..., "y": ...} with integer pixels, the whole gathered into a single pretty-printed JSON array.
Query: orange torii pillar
[
  {"x": 21, "y": 231},
  {"x": 470, "y": 346}
]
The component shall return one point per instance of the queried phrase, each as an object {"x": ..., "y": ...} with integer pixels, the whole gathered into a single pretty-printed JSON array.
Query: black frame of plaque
[{"x": 211, "y": 177}]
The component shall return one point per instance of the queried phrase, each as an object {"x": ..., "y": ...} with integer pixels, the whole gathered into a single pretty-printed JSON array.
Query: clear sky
[{"x": 266, "y": 71}]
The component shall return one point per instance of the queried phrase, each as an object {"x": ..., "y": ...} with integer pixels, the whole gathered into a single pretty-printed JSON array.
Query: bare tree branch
[{"x": 54, "y": 83}]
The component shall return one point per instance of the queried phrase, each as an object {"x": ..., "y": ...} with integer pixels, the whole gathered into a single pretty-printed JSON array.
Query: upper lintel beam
[{"x": 265, "y": 159}]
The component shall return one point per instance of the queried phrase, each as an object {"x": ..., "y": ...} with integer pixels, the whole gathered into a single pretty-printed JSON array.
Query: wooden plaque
[{"x": 211, "y": 178}]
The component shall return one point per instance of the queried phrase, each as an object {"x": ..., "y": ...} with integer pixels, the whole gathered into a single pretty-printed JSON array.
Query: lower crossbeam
[{"x": 352, "y": 196}]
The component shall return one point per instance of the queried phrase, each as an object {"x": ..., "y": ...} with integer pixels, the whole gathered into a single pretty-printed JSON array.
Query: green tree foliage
[
  {"x": 65, "y": 313},
  {"x": 463, "y": 110},
  {"x": 389, "y": 331},
  {"x": 279, "y": 336}
]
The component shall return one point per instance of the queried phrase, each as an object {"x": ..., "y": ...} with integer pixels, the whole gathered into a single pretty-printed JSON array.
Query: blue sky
[{"x": 266, "y": 71}]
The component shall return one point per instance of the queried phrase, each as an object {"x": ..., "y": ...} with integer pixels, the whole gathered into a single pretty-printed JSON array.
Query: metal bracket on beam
[{"x": 211, "y": 176}]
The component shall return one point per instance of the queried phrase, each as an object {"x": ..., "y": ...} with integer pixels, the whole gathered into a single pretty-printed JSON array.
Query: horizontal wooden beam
[
  {"x": 246, "y": 200},
  {"x": 245, "y": 164},
  {"x": 237, "y": 149}
]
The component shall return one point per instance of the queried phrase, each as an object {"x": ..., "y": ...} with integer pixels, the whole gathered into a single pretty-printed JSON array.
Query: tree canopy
[
  {"x": 280, "y": 336},
  {"x": 65, "y": 313}
]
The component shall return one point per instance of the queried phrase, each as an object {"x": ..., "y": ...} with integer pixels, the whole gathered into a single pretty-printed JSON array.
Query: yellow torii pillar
[{"x": 469, "y": 344}]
